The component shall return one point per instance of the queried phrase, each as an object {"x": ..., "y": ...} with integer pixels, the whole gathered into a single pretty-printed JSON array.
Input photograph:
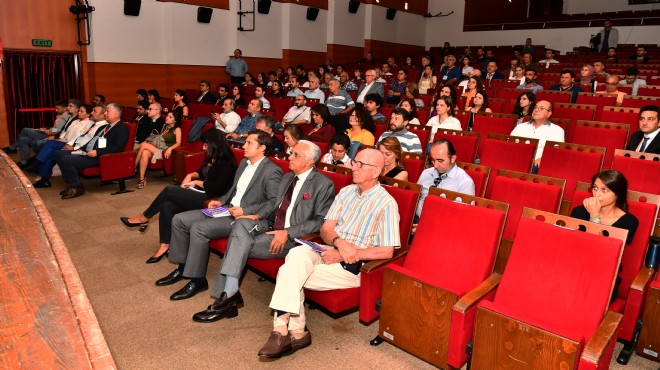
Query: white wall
[
  {"x": 405, "y": 28},
  {"x": 441, "y": 29},
  {"x": 266, "y": 40},
  {"x": 345, "y": 28},
  {"x": 601, "y": 6},
  {"x": 300, "y": 34}
]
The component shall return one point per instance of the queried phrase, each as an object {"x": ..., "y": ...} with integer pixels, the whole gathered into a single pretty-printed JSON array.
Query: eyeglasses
[
  {"x": 541, "y": 108},
  {"x": 611, "y": 83},
  {"x": 359, "y": 164}
]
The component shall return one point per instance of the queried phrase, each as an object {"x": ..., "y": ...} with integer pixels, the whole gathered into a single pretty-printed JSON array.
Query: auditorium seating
[
  {"x": 479, "y": 175},
  {"x": 496, "y": 123},
  {"x": 507, "y": 152},
  {"x": 415, "y": 164},
  {"x": 640, "y": 169},
  {"x": 622, "y": 115},
  {"x": 423, "y": 135},
  {"x": 554, "y": 97},
  {"x": 429, "y": 301},
  {"x": 649, "y": 91},
  {"x": 635, "y": 277},
  {"x": 508, "y": 93},
  {"x": 599, "y": 100},
  {"x": 520, "y": 190},
  {"x": 465, "y": 143},
  {"x": 639, "y": 101},
  {"x": 550, "y": 308},
  {"x": 574, "y": 112},
  {"x": 611, "y": 136}
]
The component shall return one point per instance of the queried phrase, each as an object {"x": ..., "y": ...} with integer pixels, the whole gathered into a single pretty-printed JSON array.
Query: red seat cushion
[{"x": 571, "y": 165}]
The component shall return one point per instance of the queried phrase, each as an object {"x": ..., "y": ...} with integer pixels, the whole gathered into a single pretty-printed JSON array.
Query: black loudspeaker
[
  {"x": 390, "y": 13},
  {"x": 264, "y": 6},
  {"x": 132, "y": 7},
  {"x": 204, "y": 14},
  {"x": 353, "y": 6},
  {"x": 312, "y": 13}
]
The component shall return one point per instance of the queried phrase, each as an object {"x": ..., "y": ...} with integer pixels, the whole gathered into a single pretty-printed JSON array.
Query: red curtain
[{"x": 38, "y": 80}]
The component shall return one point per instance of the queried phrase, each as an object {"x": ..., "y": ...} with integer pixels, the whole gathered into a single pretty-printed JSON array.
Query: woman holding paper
[{"x": 213, "y": 179}]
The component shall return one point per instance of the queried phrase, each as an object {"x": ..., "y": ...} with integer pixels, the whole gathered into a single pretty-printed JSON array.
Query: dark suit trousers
[
  {"x": 70, "y": 164},
  {"x": 191, "y": 232},
  {"x": 173, "y": 199},
  {"x": 245, "y": 241}
]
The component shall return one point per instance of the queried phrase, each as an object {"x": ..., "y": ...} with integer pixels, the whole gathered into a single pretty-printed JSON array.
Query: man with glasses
[
  {"x": 299, "y": 113},
  {"x": 228, "y": 120},
  {"x": 540, "y": 127},
  {"x": 370, "y": 86},
  {"x": 631, "y": 79},
  {"x": 205, "y": 94},
  {"x": 443, "y": 174},
  {"x": 153, "y": 121},
  {"x": 612, "y": 88},
  {"x": 350, "y": 238}
]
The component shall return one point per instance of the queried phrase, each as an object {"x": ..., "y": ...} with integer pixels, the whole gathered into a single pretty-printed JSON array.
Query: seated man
[
  {"x": 338, "y": 102},
  {"x": 35, "y": 138},
  {"x": 373, "y": 102},
  {"x": 303, "y": 198},
  {"x": 248, "y": 123},
  {"x": 295, "y": 87},
  {"x": 640, "y": 55},
  {"x": 385, "y": 70},
  {"x": 612, "y": 88},
  {"x": 251, "y": 196},
  {"x": 111, "y": 139},
  {"x": 205, "y": 94},
  {"x": 338, "y": 155},
  {"x": 646, "y": 140},
  {"x": 530, "y": 82},
  {"x": 153, "y": 121},
  {"x": 492, "y": 73},
  {"x": 540, "y": 127},
  {"x": 351, "y": 239},
  {"x": 259, "y": 93},
  {"x": 314, "y": 92},
  {"x": 611, "y": 56},
  {"x": 266, "y": 123},
  {"x": 443, "y": 174},
  {"x": 223, "y": 94},
  {"x": 399, "y": 129},
  {"x": 99, "y": 99},
  {"x": 345, "y": 83},
  {"x": 631, "y": 79},
  {"x": 549, "y": 59},
  {"x": 599, "y": 69},
  {"x": 370, "y": 86},
  {"x": 567, "y": 83},
  {"x": 228, "y": 120},
  {"x": 299, "y": 113},
  {"x": 527, "y": 61}
]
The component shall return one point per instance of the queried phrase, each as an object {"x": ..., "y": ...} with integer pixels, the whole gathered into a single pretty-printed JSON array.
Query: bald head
[{"x": 367, "y": 166}]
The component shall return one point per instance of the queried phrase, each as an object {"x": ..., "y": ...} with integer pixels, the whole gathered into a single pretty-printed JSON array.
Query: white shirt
[
  {"x": 231, "y": 119},
  {"x": 296, "y": 190},
  {"x": 297, "y": 114},
  {"x": 346, "y": 161},
  {"x": 451, "y": 123},
  {"x": 546, "y": 132},
  {"x": 360, "y": 98},
  {"x": 244, "y": 182},
  {"x": 651, "y": 136},
  {"x": 265, "y": 103},
  {"x": 77, "y": 128},
  {"x": 85, "y": 138}
]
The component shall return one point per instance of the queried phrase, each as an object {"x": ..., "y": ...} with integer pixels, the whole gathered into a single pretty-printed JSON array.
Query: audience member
[
  {"x": 410, "y": 106},
  {"x": 427, "y": 80},
  {"x": 609, "y": 37},
  {"x": 147, "y": 124},
  {"x": 567, "y": 83},
  {"x": 473, "y": 86},
  {"x": 338, "y": 154},
  {"x": 292, "y": 135},
  {"x": 248, "y": 79},
  {"x": 262, "y": 80},
  {"x": 259, "y": 93},
  {"x": 530, "y": 82},
  {"x": 412, "y": 92},
  {"x": 397, "y": 87},
  {"x": 451, "y": 73},
  {"x": 587, "y": 77},
  {"x": 223, "y": 94},
  {"x": 640, "y": 55},
  {"x": 228, "y": 120},
  {"x": 611, "y": 56},
  {"x": 181, "y": 103},
  {"x": 492, "y": 73},
  {"x": 266, "y": 123},
  {"x": 294, "y": 87},
  {"x": 373, "y": 102},
  {"x": 357, "y": 76},
  {"x": 599, "y": 69},
  {"x": 444, "y": 119},
  {"x": 467, "y": 69},
  {"x": 527, "y": 62},
  {"x": 612, "y": 88},
  {"x": 299, "y": 113},
  {"x": 345, "y": 83},
  {"x": 464, "y": 84},
  {"x": 321, "y": 126},
  {"x": 479, "y": 105},
  {"x": 524, "y": 105},
  {"x": 237, "y": 67},
  {"x": 205, "y": 94},
  {"x": 142, "y": 95},
  {"x": 314, "y": 92},
  {"x": 99, "y": 99},
  {"x": 361, "y": 130},
  {"x": 399, "y": 129},
  {"x": 540, "y": 127},
  {"x": 631, "y": 79},
  {"x": 549, "y": 59},
  {"x": 393, "y": 166},
  {"x": 339, "y": 101},
  {"x": 248, "y": 123},
  {"x": 237, "y": 96},
  {"x": 385, "y": 70},
  {"x": 369, "y": 87},
  {"x": 153, "y": 96},
  {"x": 154, "y": 150},
  {"x": 646, "y": 139},
  {"x": 518, "y": 75}
]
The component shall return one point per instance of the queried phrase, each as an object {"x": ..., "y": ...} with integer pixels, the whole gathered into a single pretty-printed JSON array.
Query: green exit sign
[{"x": 43, "y": 43}]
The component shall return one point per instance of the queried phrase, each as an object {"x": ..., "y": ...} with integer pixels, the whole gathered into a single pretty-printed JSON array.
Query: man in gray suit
[
  {"x": 370, "y": 86},
  {"x": 303, "y": 198},
  {"x": 252, "y": 196}
]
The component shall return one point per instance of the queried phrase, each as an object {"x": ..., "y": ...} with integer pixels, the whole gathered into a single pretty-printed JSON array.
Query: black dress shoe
[
  {"x": 215, "y": 315},
  {"x": 143, "y": 225},
  {"x": 156, "y": 259},
  {"x": 65, "y": 191},
  {"x": 190, "y": 290},
  {"x": 42, "y": 183},
  {"x": 224, "y": 302},
  {"x": 9, "y": 150},
  {"x": 74, "y": 193},
  {"x": 170, "y": 279}
]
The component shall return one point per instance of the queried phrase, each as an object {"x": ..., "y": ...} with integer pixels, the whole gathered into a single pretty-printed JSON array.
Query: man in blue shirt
[
  {"x": 237, "y": 67},
  {"x": 248, "y": 123}
]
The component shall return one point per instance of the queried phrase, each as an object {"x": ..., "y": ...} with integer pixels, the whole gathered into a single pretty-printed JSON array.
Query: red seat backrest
[
  {"x": 202, "y": 110},
  {"x": 572, "y": 163},
  {"x": 649, "y": 91},
  {"x": 563, "y": 279},
  {"x": 423, "y": 116},
  {"x": 642, "y": 175},
  {"x": 508, "y": 93},
  {"x": 504, "y": 84},
  {"x": 520, "y": 193},
  {"x": 414, "y": 168},
  {"x": 281, "y": 106},
  {"x": 239, "y": 154},
  {"x": 465, "y": 143},
  {"x": 600, "y": 100},
  {"x": 406, "y": 199},
  {"x": 132, "y": 129},
  {"x": 479, "y": 175},
  {"x": 340, "y": 180},
  {"x": 128, "y": 113},
  {"x": 423, "y": 136},
  {"x": 554, "y": 96},
  {"x": 325, "y": 147},
  {"x": 574, "y": 112},
  {"x": 639, "y": 101},
  {"x": 380, "y": 128},
  {"x": 496, "y": 105},
  {"x": 611, "y": 136},
  {"x": 439, "y": 260},
  {"x": 622, "y": 115},
  {"x": 387, "y": 112},
  {"x": 489, "y": 124},
  {"x": 281, "y": 163},
  {"x": 510, "y": 155}
]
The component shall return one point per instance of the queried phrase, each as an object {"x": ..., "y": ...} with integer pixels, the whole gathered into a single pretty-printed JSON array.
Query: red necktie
[{"x": 280, "y": 216}]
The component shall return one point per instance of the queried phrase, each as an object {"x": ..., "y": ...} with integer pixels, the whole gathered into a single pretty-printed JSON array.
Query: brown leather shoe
[
  {"x": 74, "y": 193},
  {"x": 224, "y": 302},
  {"x": 63, "y": 192},
  {"x": 276, "y": 346},
  {"x": 301, "y": 343}
]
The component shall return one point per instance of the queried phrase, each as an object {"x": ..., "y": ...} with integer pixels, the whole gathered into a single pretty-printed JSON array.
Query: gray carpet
[{"x": 145, "y": 330}]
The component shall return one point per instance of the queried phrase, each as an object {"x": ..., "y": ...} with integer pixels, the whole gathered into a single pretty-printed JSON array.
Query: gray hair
[
  {"x": 313, "y": 153},
  {"x": 116, "y": 107},
  {"x": 314, "y": 79}
]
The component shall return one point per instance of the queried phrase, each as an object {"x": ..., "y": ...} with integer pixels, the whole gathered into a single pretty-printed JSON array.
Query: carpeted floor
[{"x": 145, "y": 330}]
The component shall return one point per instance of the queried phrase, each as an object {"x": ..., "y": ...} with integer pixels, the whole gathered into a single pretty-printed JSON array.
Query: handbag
[{"x": 156, "y": 140}]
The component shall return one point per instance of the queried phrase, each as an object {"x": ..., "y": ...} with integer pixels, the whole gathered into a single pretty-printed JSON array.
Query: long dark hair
[
  {"x": 323, "y": 111},
  {"x": 485, "y": 104},
  {"x": 364, "y": 117},
  {"x": 413, "y": 106},
  {"x": 217, "y": 147},
  {"x": 617, "y": 183},
  {"x": 183, "y": 95},
  {"x": 177, "y": 118},
  {"x": 517, "y": 110}
]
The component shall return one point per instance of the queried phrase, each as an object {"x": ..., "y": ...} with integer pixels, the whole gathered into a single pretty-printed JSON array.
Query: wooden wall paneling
[
  {"x": 383, "y": 49},
  {"x": 420, "y": 7},
  {"x": 218, "y": 4},
  {"x": 256, "y": 65},
  {"x": 321, "y": 4},
  {"x": 310, "y": 59},
  {"x": 344, "y": 54}
]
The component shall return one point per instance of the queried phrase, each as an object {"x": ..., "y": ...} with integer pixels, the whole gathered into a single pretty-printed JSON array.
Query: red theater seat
[
  {"x": 507, "y": 152},
  {"x": 479, "y": 175},
  {"x": 495, "y": 123},
  {"x": 465, "y": 143},
  {"x": 640, "y": 169},
  {"x": 599, "y": 100},
  {"x": 611, "y": 136}
]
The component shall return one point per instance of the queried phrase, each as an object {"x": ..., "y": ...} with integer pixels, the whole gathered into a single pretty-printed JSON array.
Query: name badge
[
  {"x": 102, "y": 142},
  {"x": 444, "y": 78}
]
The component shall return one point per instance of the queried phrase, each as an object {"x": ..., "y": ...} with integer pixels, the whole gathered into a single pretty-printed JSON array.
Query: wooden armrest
[
  {"x": 376, "y": 264},
  {"x": 310, "y": 236},
  {"x": 477, "y": 294},
  {"x": 642, "y": 279},
  {"x": 594, "y": 349}
]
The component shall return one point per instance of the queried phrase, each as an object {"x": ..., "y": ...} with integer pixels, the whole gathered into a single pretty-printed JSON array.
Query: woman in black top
[
  {"x": 237, "y": 95},
  {"x": 394, "y": 165},
  {"x": 608, "y": 205},
  {"x": 213, "y": 179}
]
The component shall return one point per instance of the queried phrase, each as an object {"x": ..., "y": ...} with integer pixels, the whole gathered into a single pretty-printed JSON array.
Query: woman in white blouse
[{"x": 445, "y": 119}]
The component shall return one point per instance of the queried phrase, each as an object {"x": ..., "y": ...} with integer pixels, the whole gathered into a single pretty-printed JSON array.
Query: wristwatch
[{"x": 334, "y": 240}]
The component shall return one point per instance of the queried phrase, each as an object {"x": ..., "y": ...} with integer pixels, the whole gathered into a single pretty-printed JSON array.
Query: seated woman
[
  {"x": 214, "y": 177},
  {"x": 445, "y": 118},
  {"x": 142, "y": 95},
  {"x": 262, "y": 80},
  {"x": 467, "y": 68},
  {"x": 518, "y": 74},
  {"x": 427, "y": 80},
  {"x": 393, "y": 154},
  {"x": 277, "y": 91},
  {"x": 338, "y": 155},
  {"x": 321, "y": 126},
  {"x": 292, "y": 135},
  {"x": 524, "y": 105},
  {"x": 237, "y": 95},
  {"x": 411, "y": 107},
  {"x": 181, "y": 103},
  {"x": 588, "y": 77},
  {"x": 171, "y": 134},
  {"x": 412, "y": 93},
  {"x": 608, "y": 205},
  {"x": 361, "y": 131},
  {"x": 479, "y": 104},
  {"x": 154, "y": 96},
  {"x": 357, "y": 76},
  {"x": 474, "y": 85},
  {"x": 248, "y": 79}
]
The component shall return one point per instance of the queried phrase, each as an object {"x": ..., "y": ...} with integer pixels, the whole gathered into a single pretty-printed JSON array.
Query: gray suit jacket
[
  {"x": 376, "y": 88},
  {"x": 259, "y": 198},
  {"x": 308, "y": 214}
]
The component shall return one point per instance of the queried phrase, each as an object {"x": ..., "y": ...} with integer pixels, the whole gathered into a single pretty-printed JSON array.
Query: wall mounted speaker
[
  {"x": 353, "y": 6},
  {"x": 204, "y": 14},
  {"x": 312, "y": 13},
  {"x": 264, "y": 6},
  {"x": 132, "y": 7},
  {"x": 390, "y": 14}
]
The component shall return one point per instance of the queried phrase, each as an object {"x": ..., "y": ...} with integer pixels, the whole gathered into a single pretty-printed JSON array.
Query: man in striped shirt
[
  {"x": 362, "y": 224},
  {"x": 399, "y": 129},
  {"x": 339, "y": 101}
]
